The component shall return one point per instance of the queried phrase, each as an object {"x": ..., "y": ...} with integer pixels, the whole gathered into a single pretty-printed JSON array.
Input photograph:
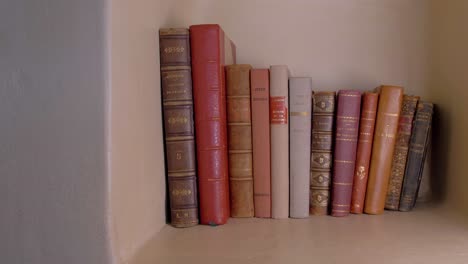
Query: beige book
[
  {"x": 300, "y": 97},
  {"x": 279, "y": 141}
]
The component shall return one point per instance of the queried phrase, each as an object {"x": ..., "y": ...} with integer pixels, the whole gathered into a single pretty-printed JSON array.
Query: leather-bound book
[
  {"x": 176, "y": 87},
  {"x": 279, "y": 141},
  {"x": 416, "y": 155},
  {"x": 386, "y": 128},
  {"x": 346, "y": 138},
  {"x": 211, "y": 51},
  {"x": 400, "y": 154},
  {"x": 323, "y": 109},
  {"x": 364, "y": 149},
  {"x": 300, "y": 107},
  {"x": 239, "y": 140},
  {"x": 260, "y": 97}
]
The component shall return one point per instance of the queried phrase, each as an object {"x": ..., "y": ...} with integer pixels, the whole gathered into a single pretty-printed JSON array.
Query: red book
[
  {"x": 260, "y": 96},
  {"x": 346, "y": 137},
  {"x": 211, "y": 51}
]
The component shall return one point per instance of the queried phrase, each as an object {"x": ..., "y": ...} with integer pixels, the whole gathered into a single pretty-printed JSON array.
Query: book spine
[
  {"x": 239, "y": 140},
  {"x": 346, "y": 137},
  {"x": 417, "y": 154},
  {"x": 400, "y": 154},
  {"x": 321, "y": 151},
  {"x": 386, "y": 127},
  {"x": 260, "y": 91},
  {"x": 279, "y": 130},
  {"x": 364, "y": 149},
  {"x": 300, "y": 96},
  {"x": 208, "y": 46},
  {"x": 177, "y": 101}
]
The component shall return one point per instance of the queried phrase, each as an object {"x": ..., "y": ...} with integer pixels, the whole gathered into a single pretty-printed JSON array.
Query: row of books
[{"x": 245, "y": 142}]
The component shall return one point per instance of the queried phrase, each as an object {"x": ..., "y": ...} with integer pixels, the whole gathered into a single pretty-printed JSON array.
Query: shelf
[{"x": 426, "y": 235}]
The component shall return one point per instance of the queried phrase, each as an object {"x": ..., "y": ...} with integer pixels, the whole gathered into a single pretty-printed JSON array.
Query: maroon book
[{"x": 346, "y": 136}]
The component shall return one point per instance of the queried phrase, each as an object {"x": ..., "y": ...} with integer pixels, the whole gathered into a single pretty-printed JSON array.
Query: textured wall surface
[{"x": 52, "y": 132}]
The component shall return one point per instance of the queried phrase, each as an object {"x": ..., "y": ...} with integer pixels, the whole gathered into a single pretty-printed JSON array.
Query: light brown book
[
  {"x": 386, "y": 127},
  {"x": 321, "y": 158},
  {"x": 239, "y": 140},
  {"x": 279, "y": 103},
  {"x": 300, "y": 97},
  {"x": 260, "y": 91}
]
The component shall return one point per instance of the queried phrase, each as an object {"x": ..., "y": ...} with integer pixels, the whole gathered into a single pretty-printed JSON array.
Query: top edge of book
[
  {"x": 173, "y": 31},
  {"x": 239, "y": 66},
  {"x": 352, "y": 92}
]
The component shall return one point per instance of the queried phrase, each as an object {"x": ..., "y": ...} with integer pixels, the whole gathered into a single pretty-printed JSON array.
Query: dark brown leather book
[
  {"x": 346, "y": 137},
  {"x": 364, "y": 149},
  {"x": 321, "y": 151},
  {"x": 211, "y": 50},
  {"x": 260, "y": 91},
  {"x": 239, "y": 140},
  {"x": 405, "y": 125},
  {"x": 416, "y": 156},
  {"x": 386, "y": 128},
  {"x": 176, "y": 86}
]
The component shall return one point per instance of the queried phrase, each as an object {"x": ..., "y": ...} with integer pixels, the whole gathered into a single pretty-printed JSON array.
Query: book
[
  {"x": 300, "y": 101},
  {"x": 239, "y": 140},
  {"x": 321, "y": 151},
  {"x": 279, "y": 132},
  {"x": 211, "y": 51},
  {"x": 177, "y": 101},
  {"x": 386, "y": 127},
  {"x": 420, "y": 138},
  {"x": 260, "y": 102},
  {"x": 364, "y": 149},
  {"x": 346, "y": 137},
  {"x": 405, "y": 125}
]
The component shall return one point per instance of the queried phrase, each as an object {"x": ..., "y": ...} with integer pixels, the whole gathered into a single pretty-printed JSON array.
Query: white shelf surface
[{"x": 426, "y": 235}]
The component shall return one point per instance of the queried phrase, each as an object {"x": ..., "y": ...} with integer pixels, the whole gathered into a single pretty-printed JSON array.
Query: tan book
[
  {"x": 239, "y": 140},
  {"x": 386, "y": 127},
  {"x": 300, "y": 97},
  {"x": 279, "y": 103}
]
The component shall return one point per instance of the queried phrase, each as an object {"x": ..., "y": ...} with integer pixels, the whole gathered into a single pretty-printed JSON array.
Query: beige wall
[{"x": 449, "y": 89}]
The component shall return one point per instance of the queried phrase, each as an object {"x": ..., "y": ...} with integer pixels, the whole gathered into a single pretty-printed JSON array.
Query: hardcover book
[
  {"x": 346, "y": 137},
  {"x": 177, "y": 101},
  {"x": 417, "y": 154},
  {"x": 400, "y": 154},
  {"x": 240, "y": 140},
  {"x": 386, "y": 127},
  {"x": 364, "y": 149},
  {"x": 211, "y": 51},
  {"x": 279, "y": 103},
  {"x": 260, "y": 91},
  {"x": 321, "y": 151},
  {"x": 300, "y": 96}
]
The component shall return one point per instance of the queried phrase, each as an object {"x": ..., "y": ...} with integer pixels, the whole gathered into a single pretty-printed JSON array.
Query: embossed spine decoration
[
  {"x": 346, "y": 137},
  {"x": 400, "y": 154},
  {"x": 321, "y": 151},
  {"x": 239, "y": 140},
  {"x": 386, "y": 128},
  {"x": 176, "y": 86},
  {"x": 300, "y": 97},
  {"x": 364, "y": 149},
  {"x": 417, "y": 154}
]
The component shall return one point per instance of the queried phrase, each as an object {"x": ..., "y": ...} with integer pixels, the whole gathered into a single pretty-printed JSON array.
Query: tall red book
[
  {"x": 211, "y": 51},
  {"x": 346, "y": 137}
]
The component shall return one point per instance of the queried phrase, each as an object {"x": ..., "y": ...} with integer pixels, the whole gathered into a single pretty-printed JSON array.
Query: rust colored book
[
  {"x": 177, "y": 101},
  {"x": 321, "y": 151},
  {"x": 346, "y": 138},
  {"x": 260, "y": 98},
  {"x": 364, "y": 149},
  {"x": 211, "y": 51},
  {"x": 386, "y": 127},
  {"x": 400, "y": 154},
  {"x": 240, "y": 140}
]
